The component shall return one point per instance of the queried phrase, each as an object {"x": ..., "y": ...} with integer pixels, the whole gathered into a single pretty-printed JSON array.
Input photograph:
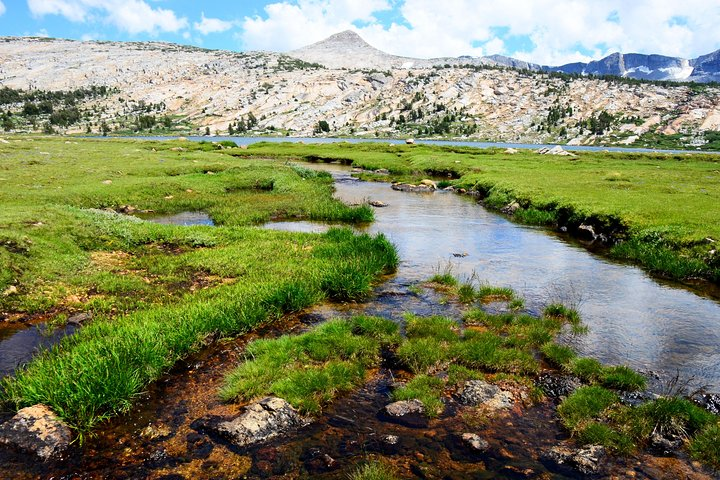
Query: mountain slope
[{"x": 268, "y": 92}]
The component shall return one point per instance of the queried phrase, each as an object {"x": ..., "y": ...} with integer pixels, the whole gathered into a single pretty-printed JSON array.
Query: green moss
[{"x": 374, "y": 470}]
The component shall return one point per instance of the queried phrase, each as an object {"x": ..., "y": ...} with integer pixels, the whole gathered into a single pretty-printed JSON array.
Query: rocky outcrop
[
  {"x": 36, "y": 430},
  {"x": 262, "y": 421},
  {"x": 480, "y": 393}
]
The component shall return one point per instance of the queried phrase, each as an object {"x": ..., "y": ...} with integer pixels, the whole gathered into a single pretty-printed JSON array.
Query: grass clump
[
  {"x": 622, "y": 378},
  {"x": 311, "y": 369},
  {"x": 584, "y": 405},
  {"x": 557, "y": 355},
  {"x": 439, "y": 328},
  {"x": 425, "y": 388},
  {"x": 705, "y": 447},
  {"x": 489, "y": 293},
  {"x": 422, "y": 355},
  {"x": 374, "y": 470}
]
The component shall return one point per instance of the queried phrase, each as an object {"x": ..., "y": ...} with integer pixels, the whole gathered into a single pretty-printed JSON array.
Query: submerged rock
[
  {"x": 474, "y": 442},
  {"x": 477, "y": 392},
  {"x": 377, "y": 203},
  {"x": 262, "y": 421},
  {"x": 410, "y": 413},
  {"x": 37, "y": 430},
  {"x": 586, "y": 460}
]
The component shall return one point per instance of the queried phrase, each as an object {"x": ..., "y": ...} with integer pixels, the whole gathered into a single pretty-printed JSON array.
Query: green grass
[
  {"x": 374, "y": 470},
  {"x": 594, "y": 415},
  {"x": 427, "y": 389},
  {"x": 311, "y": 369},
  {"x": 661, "y": 206},
  {"x": 159, "y": 291},
  {"x": 618, "y": 377},
  {"x": 557, "y": 355}
]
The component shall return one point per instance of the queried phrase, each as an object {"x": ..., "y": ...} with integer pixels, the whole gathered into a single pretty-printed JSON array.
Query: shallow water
[
  {"x": 633, "y": 318},
  {"x": 18, "y": 345},
  {"x": 185, "y": 219}
]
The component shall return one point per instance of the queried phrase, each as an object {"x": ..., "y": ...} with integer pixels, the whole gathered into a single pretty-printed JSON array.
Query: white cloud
[
  {"x": 131, "y": 16},
  {"x": 289, "y": 25},
  {"x": 211, "y": 25},
  {"x": 550, "y": 32},
  {"x": 2, "y": 7}
]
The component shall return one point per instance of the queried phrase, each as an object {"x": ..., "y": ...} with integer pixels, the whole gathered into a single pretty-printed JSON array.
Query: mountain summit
[{"x": 348, "y": 50}]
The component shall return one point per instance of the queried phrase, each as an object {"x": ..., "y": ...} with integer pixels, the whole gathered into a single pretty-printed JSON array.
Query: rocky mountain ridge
[{"x": 202, "y": 91}]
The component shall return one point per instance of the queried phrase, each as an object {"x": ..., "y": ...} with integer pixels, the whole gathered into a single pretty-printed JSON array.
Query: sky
[{"x": 549, "y": 32}]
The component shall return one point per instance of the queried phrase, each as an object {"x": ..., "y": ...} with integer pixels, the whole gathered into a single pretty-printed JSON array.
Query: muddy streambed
[{"x": 165, "y": 435}]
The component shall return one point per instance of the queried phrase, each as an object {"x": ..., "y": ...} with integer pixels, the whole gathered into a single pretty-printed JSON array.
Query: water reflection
[{"x": 633, "y": 319}]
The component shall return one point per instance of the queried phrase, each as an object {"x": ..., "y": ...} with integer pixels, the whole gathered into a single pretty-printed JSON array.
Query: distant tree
[
  {"x": 207, "y": 131},
  {"x": 231, "y": 130},
  {"x": 322, "y": 126}
]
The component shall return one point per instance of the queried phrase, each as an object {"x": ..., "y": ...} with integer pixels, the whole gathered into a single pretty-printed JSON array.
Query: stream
[{"x": 632, "y": 318}]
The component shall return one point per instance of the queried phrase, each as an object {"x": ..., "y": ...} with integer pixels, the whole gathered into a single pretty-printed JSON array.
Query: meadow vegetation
[
  {"x": 159, "y": 292},
  {"x": 659, "y": 210}
]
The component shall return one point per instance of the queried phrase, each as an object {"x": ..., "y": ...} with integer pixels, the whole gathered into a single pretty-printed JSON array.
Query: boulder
[
  {"x": 511, "y": 151},
  {"x": 262, "y": 421},
  {"x": 586, "y": 460},
  {"x": 480, "y": 393},
  {"x": 377, "y": 204},
  {"x": 36, "y": 430},
  {"x": 429, "y": 183},
  {"x": 381, "y": 171},
  {"x": 408, "y": 187},
  {"x": 410, "y": 141}
]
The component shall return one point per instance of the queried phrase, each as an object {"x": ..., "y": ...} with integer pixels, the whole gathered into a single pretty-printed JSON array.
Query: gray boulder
[
  {"x": 262, "y": 421},
  {"x": 586, "y": 460},
  {"x": 36, "y": 430},
  {"x": 479, "y": 393}
]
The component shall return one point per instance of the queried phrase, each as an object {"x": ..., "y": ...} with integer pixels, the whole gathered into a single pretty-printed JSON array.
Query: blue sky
[{"x": 543, "y": 31}]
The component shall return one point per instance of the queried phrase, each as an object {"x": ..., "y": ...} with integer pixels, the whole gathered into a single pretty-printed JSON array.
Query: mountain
[
  {"x": 348, "y": 50},
  {"x": 363, "y": 92}
]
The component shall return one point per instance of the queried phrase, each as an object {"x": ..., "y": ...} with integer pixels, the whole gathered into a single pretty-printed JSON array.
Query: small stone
[
  {"x": 168, "y": 197},
  {"x": 475, "y": 442},
  {"x": 391, "y": 439},
  {"x": 79, "y": 318},
  {"x": 11, "y": 290},
  {"x": 429, "y": 183},
  {"x": 405, "y": 407},
  {"x": 153, "y": 432},
  {"x": 107, "y": 182},
  {"x": 410, "y": 141},
  {"x": 37, "y": 430},
  {"x": 377, "y": 204}
]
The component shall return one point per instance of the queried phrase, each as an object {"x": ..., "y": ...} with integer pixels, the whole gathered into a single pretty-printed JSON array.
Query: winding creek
[{"x": 633, "y": 319}]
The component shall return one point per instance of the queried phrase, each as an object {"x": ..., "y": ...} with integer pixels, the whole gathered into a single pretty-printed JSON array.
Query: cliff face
[{"x": 215, "y": 88}]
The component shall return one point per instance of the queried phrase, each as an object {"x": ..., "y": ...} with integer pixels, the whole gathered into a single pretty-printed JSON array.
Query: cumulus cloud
[
  {"x": 211, "y": 25},
  {"x": 287, "y": 25},
  {"x": 131, "y": 16},
  {"x": 550, "y": 32}
]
